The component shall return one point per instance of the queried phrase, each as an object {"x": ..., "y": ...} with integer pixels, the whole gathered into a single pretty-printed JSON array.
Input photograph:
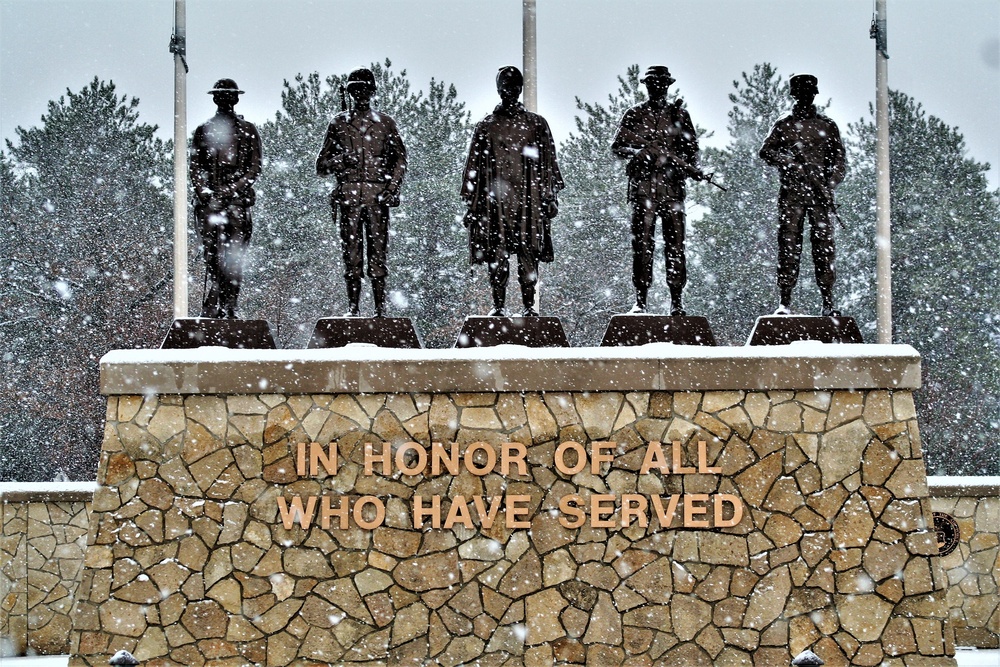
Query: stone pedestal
[
  {"x": 190, "y": 332},
  {"x": 528, "y": 331},
  {"x": 642, "y": 329},
  {"x": 785, "y": 329},
  {"x": 658, "y": 505},
  {"x": 378, "y": 331}
]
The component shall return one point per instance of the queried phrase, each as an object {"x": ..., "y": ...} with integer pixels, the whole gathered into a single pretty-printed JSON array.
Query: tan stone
[
  {"x": 755, "y": 482},
  {"x": 864, "y": 616},
  {"x": 917, "y": 577},
  {"x": 548, "y": 534},
  {"x": 653, "y": 582},
  {"x": 878, "y": 407},
  {"x": 409, "y": 623},
  {"x": 605, "y": 623},
  {"x": 598, "y": 411},
  {"x": 845, "y": 406},
  {"x": 523, "y": 578},
  {"x": 854, "y": 525},
  {"x": 768, "y": 599},
  {"x": 909, "y": 480},
  {"x": 205, "y": 619},
  {"x": 782, "y": 530},
  {"x": 427, "y": 572},
  {"x": 841, "y": 450},
  {"x": 786, "y": 417},
  {"x": 714, "y": 401},
  {"x": 688, "y": 616},
  {"x": 542, "y": 615},
  {"x": 557, "y": 567}
]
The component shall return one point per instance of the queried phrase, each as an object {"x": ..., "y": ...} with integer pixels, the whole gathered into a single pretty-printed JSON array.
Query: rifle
[
  {"x": 817, "y": 185},
  {"x": 689, "y": 169}
]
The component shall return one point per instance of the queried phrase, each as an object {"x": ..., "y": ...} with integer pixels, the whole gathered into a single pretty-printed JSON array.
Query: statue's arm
[
  {"x": 837, "y": 158},
  {"x": 688, "y": 144},
  {"x": 200, "y": 180},
  {"x": 253, "y": 166},
  {"x": 773, "y": 152},
  {"x": 330, "y": 160},
  {"x": 473, "y": 177},
  {"x": 398, "y": 151},
  {"x": 628, "y": 142}
]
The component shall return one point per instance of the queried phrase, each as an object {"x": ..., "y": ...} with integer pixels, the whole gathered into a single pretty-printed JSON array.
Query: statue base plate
[
  {"x": 641, "y": 329},
  {"x": 784, "y": 329},
  {"x": 190, "y": 332},
  {"x": 380, "y": 331},
  {"x": 479, "y": 331}
]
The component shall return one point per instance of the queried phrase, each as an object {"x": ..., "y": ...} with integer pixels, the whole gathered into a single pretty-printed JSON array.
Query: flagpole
[
  {"x": 883, "y": 242},
  {"x": 178, "y": 48},
  {"x": 530, "y": 64}
]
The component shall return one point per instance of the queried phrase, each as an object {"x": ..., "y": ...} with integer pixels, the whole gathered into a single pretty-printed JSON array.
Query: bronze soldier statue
[
  {"x": 658, "y": 140},
  {"x": 225, "y": 162},
  {"x": 510, "y": 184},
  {"x": 364, "y": 151},
  {"x": 806, "y": 148}
]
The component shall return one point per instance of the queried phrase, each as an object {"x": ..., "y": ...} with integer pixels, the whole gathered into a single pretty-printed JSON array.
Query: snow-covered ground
[{"x": 965, "y": 657}]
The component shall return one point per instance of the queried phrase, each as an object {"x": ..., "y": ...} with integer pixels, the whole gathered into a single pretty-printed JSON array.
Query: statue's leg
[
  {"x": 824, "y": 252},
  {"x": 351, "y": 250},
  {"x": 672, "y": 214},
  {"x": 377, "y": 241},
  {"x": 527, "y": 276},
  {"x": 499, "y": 267},
  {"x": 790, "y": 215},
  {"x": 209, "y": 232},
  {"x": 643, "y": 224},
  {"x": 237, "y": 233}
]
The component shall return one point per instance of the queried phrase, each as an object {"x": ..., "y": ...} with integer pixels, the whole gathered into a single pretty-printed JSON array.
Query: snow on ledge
[
  {"x": 46, "y": 491},
  {"x": 506, "y": 368}
]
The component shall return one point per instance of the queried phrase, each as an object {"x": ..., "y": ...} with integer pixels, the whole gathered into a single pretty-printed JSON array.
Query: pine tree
[
  {"x": 87, "y": 261},
  {"x": 945, "y": 272}
]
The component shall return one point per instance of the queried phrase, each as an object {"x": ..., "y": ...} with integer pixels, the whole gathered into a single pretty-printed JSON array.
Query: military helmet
[
  {"x": 512, "y": 73},
  {"x": 225, "y": 86},
  {"x": 803, "y": 83},
  {"x": 361, "y": 75},
  {"x": 658, "y": 72}
]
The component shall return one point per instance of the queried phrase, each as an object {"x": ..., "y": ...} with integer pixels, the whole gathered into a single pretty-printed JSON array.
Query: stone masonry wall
[
  {"x": 42, "y": 546},
  {"x": 188, "y": 561},
  {"x": 973, "y": 568}
]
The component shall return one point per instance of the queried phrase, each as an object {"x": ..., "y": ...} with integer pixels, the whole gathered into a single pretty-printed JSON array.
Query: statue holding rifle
[
  {"x": 658, "y": 139},
  {"x": 806, "y": 148},
  {"x": 365, "y": 152}
]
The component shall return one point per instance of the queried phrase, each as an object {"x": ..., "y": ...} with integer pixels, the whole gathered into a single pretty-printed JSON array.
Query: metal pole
[
  {"x": 177, "y": 47},
  {"x": 883, "y": 241},
  {"x": 530, "y": 67},
  {"x": 530, "y": 57}
]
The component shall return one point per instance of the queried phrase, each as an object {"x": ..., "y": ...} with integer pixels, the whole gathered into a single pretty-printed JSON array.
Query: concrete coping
[
  {"x": 47, "y": 492},
  {"x": 508, "y": 368},
  {"x": 943, "y": 486}
]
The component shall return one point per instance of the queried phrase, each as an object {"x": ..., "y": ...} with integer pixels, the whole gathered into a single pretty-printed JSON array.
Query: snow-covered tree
[
  {"x": 86, "y": 256},
  {"x": 945, "y": 273}
]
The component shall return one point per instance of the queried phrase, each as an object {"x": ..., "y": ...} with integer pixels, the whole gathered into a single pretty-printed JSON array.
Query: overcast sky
[{"x": 942, "y": 52}]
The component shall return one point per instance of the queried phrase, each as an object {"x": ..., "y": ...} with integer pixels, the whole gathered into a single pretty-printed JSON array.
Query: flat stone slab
[
  {"x": 528, "y": 331},
  {"x": 192, "y": 332},
  {"x": 378, "y": 331},
  {"x": 785, "y": 329},
  {"x": 642, "y": 329},
  {"x": 655, "y": 367}
]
